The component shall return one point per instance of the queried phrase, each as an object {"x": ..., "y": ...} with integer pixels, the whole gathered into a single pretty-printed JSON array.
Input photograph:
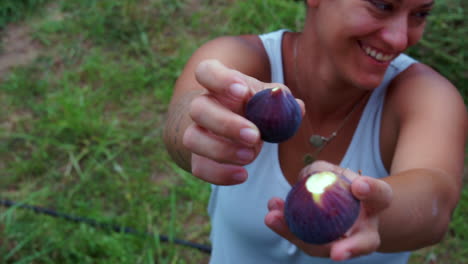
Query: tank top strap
[
  {"x": 273, "y": 43},
  {"x": 367, "y": 134}
]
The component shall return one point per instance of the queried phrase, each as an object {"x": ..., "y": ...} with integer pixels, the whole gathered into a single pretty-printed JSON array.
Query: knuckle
[
  {"x": 197, "y": 107},
  {"x": 226, "y": 155},
  {"x": 389, "y": 195},
  {"x": 383, "y": 191},
  {"x": 205, "y": 66},
  {"x": 197, "y": 171},
  {"x": 218, "y": 154},
  {"x": 200, "y": 167},
  {"x": 210, "y": 73},
  {"x": 188, "y": 137},
  {"x": 376, "y": 243},
  {"x": 224, "y": 126}
]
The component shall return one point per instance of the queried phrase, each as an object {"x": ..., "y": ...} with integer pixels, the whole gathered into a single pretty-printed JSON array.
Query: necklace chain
[{"x": 316, "y": 140}]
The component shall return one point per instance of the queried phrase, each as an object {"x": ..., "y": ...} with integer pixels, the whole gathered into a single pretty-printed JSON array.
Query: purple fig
[
  {"x": 320, "y": 208},
  {"x": 276, "y": 113}
]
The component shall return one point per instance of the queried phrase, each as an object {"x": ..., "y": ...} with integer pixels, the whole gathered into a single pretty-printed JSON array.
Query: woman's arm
[
  {"x": 412, "y": 207},
  {"x": 177, "y": 121},
  {"x": 206, "y": 133},
  {"x": 427, "y": 166}
]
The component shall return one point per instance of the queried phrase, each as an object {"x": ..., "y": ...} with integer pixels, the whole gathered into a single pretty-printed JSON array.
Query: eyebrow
[
  {"x": 430, "y": 4},
  {"x": 426, "y": 5}
]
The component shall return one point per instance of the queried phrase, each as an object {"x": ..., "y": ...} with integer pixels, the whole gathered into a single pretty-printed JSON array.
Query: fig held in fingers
[{"x": 276, "y": 113}]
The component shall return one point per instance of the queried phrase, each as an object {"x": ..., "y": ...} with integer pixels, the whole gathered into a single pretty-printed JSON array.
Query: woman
[{"x": 372, "y": 109}]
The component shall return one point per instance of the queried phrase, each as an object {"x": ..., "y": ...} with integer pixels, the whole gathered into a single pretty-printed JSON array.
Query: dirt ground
[{"x": 17, "y": 47}]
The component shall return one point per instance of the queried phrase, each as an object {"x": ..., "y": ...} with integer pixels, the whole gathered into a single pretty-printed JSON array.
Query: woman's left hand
[{"x": 362, "y": 238}]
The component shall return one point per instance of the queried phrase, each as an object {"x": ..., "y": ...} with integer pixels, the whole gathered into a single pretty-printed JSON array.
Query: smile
[{"x": 377, "y": 55}]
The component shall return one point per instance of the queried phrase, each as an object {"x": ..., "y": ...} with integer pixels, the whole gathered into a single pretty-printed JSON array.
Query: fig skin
[
  {"x": 320, "y": 218},
  {"x": 276, "y": 113}
]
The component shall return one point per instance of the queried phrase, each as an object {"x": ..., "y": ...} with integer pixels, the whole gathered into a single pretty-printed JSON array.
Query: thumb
[
  {"x": 375, "y": 194},
  {"x": 229, "y": 87}
]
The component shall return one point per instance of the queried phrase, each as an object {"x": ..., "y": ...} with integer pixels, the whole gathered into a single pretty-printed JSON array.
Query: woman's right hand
[{"x": 220, "y": 139}]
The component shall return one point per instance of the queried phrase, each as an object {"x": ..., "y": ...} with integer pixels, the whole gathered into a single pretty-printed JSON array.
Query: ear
[{"x": 312, "y": 3}]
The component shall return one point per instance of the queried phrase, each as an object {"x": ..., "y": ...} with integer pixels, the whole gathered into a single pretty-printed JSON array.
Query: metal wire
[{"x": 116, "y": 228}]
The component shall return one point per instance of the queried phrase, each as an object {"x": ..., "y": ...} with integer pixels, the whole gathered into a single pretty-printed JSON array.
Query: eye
[
  {"x": 422, "y": 14},
  {"x": 419, "y": 18},
  {"x": 381, "y": 5}
]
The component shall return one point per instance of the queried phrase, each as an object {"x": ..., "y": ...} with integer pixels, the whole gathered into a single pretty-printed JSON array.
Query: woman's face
[{"x": 361, "y": 37}]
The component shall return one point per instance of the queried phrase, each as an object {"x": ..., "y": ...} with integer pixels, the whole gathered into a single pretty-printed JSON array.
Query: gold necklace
[{"x": 318, "y": 141}]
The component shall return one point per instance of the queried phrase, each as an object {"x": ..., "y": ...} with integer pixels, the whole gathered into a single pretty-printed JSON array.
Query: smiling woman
[{"x": 374, "y": 110}]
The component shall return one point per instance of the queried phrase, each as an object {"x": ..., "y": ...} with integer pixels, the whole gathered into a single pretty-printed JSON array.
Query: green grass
[
  {"x": 15, "y": 10},
  {"x": 80, "y": 126},
  {"x": 444, "y": 43}
]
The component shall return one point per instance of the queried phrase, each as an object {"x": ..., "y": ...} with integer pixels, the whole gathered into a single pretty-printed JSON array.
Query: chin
[
  {"x": 364, "y": 76},
  {"x": 369, "y": 66},
  {"x": 368, "y": 82}
]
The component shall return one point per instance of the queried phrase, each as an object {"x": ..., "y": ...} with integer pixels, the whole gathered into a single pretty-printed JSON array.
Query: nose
[{"x": 395, "y": 33}]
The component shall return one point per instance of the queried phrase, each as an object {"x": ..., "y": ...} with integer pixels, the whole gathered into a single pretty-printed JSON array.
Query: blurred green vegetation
[
  {"x": 14, "y": 10},
  {"x": 444, "y": 45},
  {"x": 80, "y": 126}
]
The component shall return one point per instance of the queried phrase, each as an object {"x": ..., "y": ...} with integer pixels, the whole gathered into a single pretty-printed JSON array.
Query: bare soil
[{"x": 17, "y": 47}]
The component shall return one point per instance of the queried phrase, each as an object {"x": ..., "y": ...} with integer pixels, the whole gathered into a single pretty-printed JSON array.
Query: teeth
[{"x": 377, "y": 55}]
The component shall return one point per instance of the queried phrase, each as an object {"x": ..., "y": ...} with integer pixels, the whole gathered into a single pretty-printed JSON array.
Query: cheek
[
  {"x": 358, "y": 21},
  {"x": 415, "y": 35},
  {"x": 340, "y": 31}
]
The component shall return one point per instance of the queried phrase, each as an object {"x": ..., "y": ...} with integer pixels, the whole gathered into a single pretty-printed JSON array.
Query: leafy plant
[
  {"x": 80, "y": 127},
  {"x": 14, "y": 10}
]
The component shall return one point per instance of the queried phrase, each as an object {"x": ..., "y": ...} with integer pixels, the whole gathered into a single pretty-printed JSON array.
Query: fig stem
[{"x": 276, "y": 90}]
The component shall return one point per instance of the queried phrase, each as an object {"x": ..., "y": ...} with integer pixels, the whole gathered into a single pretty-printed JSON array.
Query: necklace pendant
[
  {"x": 317, "y": 141},
  {"x": 308, "y": 159}
]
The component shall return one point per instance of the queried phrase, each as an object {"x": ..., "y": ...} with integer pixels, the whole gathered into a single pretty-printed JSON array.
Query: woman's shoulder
[
  {"x": 244, "y": 53},
  {"x": 420, "y": 90}
]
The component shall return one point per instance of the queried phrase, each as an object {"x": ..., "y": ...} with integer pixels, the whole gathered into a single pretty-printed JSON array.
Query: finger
[
  {"x": 200, "y": 141},
  {"x": 214, "y": 117},
  {"x": 275, "y": 221},
  {"x": 217, "y": 173},
  {"x": 231, "y": 87},
  {"x": 375, "y": 194},
  {"x": 275, "y": 204},
  {"x": 361, "y": 243},
  {"x": 302, "y": 106}
]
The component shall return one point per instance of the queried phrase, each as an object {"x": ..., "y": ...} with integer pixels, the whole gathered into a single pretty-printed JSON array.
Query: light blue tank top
[{"x": 237, "y": 212}]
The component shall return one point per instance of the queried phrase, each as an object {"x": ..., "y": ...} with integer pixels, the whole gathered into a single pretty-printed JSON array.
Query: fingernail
[
  {"x": 249, "y": 135},
  {"x": 239, "y": 176},
  {"x": 238, "y": 90},
  {"x": 362, "y": 187},
  {"x": 245, "y": 154}
]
